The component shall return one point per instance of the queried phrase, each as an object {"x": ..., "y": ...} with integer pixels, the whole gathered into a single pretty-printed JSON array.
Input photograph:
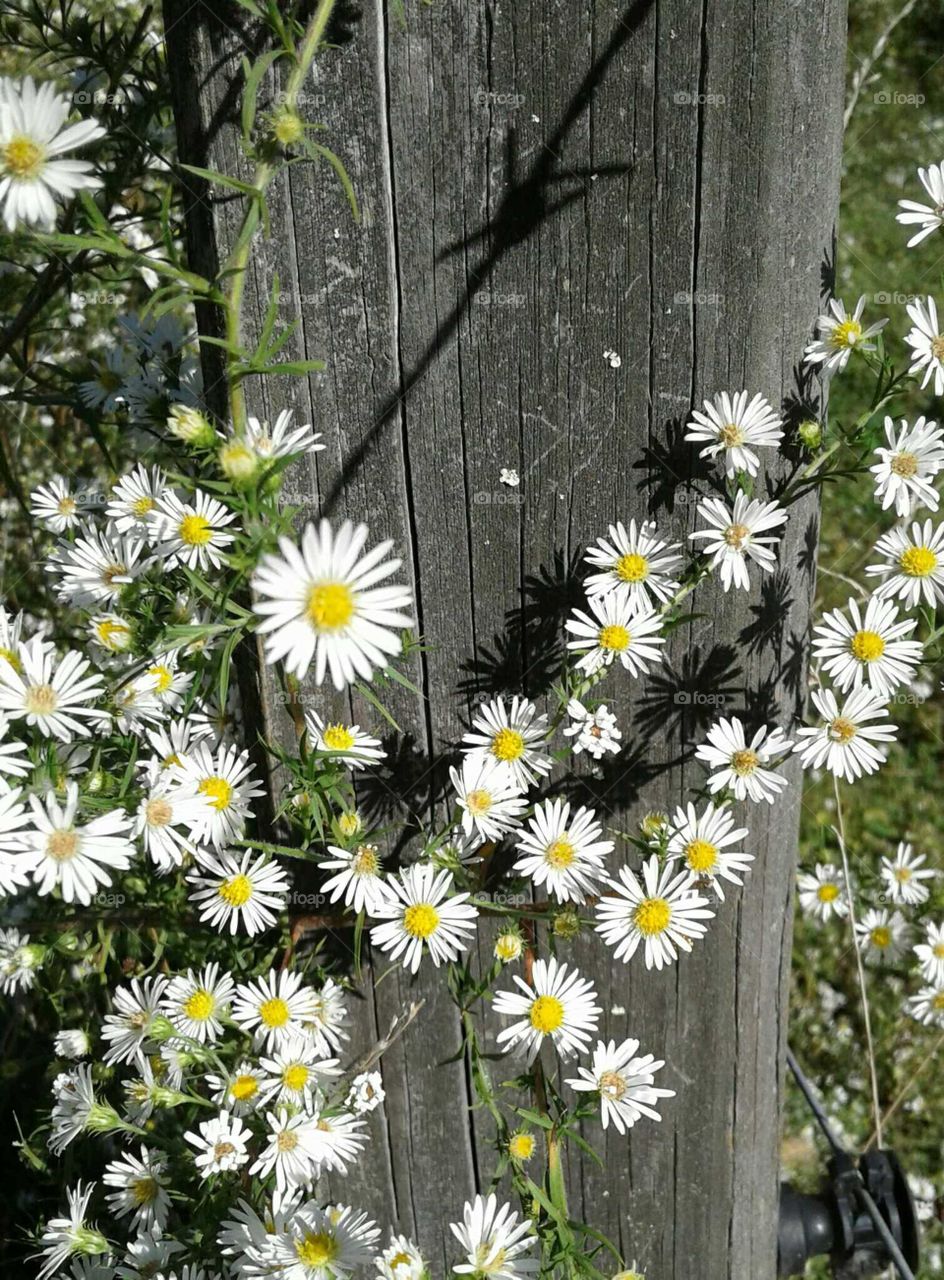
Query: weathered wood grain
[{"x": 542, "y": 182}]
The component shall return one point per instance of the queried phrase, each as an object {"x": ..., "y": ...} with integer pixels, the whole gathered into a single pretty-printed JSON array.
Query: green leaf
[
  {"x": 223, "y": 180},
  {"x": 253, "y": 74}
]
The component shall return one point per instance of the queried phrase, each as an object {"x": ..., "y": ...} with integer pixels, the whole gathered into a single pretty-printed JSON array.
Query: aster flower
[
  {"x": 76, "y": 1109},
  {"x": 76, "y": 859},
  {"x": 325, "y": 1018},
  {"x": 322, "y": 1244},
  {"x": 822, "y": 893},
  {"x": 558, "y": 1003},
  {"x": 494, "y": 1243},
  {"x": 926, "y": 342},
  {"x": 846, "y": 742},
  {"x": 739, "y": 766},
  {"x": 661, "y": 913},
  {"x": 19, "y": 960},
  {"x": 592, "y": 731},
  {"x": 486, "y": 793},
  {"x": 289, "y": 1153},
  {"x": 242, "y": 1090},
  {"x": 904, "y": 874},
  {"x": 221, "y": 1145},
  {"x": 191, "y": 533},
  {"x": 294, "y": 1073},
  {"x": 881, "y": 934},
  {"x": 347, "y": 743},
  {"x": 104, "y": 389},
  {"x": 624, "y": 1082},
  {"x": 401, "y": 1260},
  {"x": 235, "y": 890},
  {"x": 930, "y": 954},
  {"x": 359, "y": 881},
  {"x": 196, "y": 1003},
  {"x": 906, "y": 467},
  {"x": 615, "y": 632},
  {"x": 913, "y": 568},
  {"x": 72, "y": 1042},
  {"x": 734, "y": 429},
  {"x": 873, "y": 650},
  {"x": 274, "y": 1007},
  {"x": 224, "y": 783},
  {"x": 927, "y": 218},
  {"x": 70, "y": 1236},
  {"x": 54, "y": 505},
  {"x": 162, "y": 812},
  {"x": 512, "y": 736},
  {"x": 111, "y": 632},
  {"x": 927, "y": 1007},
  {"x": 52, "y": 696},
  {"x": 839, "y": 335},
  {"x": 366, "y": 1093},
  {"x": 739, "y": 534},
  {"x": 93, "y": 569},
  {"x": 700, "y": 843},
  {"x": 563, "y": 851},
  {"x": 282, "y": 439},
  {"x": 322, "y": 603},
  {"x": 135, "y": 498},
  {"x": 636, "y": 565},
  {"x": 141, "y": 1190},
  {"x": 129, "y": 1029},
  {"x": 419, "y": 910},
  {"x": 33, "y": 137}
]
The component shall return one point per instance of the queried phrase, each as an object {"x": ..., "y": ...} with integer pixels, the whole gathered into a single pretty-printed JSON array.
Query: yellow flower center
[
  {"x": 244, "y": 1087},
  {"x": 287, "y": 1140},
  {"x": 937, "y": 1004},
  {"x": 867, "y": 646},
  {"x": 547, "y": 1014},
  {"x": 487, "y": 1262},
  {"x": 735, "y": 534},
  {"x": 158, "y": 813},
  {"x": 144, "y": 1190},
  {"x": 904, "y": 464},
  {"x": 163, "y": 677},
  {"x": 881, "y": 936},
  {"x": 113, "y": 571},
  {"x": 274, "y": 1012},
  {"x": 632, "y": 568},
  {"x": 700, "y": 856},
  {"x": 62, "y": 845},
  {"x": 113, "y": 635},
  {"x": 295, "y": 1077},
  {"x": 195, "y": 531},
  {"x": 917, "y": 562},
  {"x": 223, "y": 1149},
  {"x": 937, "y": 347},
  {"x": 338, "y": 738},
  {"x": 66, "y": 506},
  {"x": 316, "y": 1249},
  {"x": 365, "y": 861},
  {"x": 22, "y": 157},
  {"x": 828, "y": 892},
  {"x": 560, "y": 853},
  {"x": 938, "y": 951},
  {"x": 41, "y": 699},
  {"x": 218, "y": 791},
  {"x": 652, "y": 916},
  {"x": 743, "y": 763},
  {"x": 507, "y": 745},
  {"x": 200, "y": 1005},
  {"x": 842, "y": 730},
  {"x": 846, "y": 334},
  {"x": 330, "y": 606},
  {"x": 236, "y": 891},
  {"x": 478, "y": 802},
  {"x": 141, "y": 506},
  {"x": 521, "y": 1146},
  {"x": 508, "y": 946},
  {"x": 420, "y": 920},
  {"x": 731, "y": 435},
  {"x": 902, "y": 874},
  {"x": 612, "y": 1085},
  {"x": 614, "y": 638}
]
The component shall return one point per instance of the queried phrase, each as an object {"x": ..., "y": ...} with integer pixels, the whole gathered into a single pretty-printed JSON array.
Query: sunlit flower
[
  {"x": 238, "y": 889},
  {"x": 926, "y": 342},
  {"x": 513, "y": 736},
  {"x": 134, "y": 499},
  {"x": 625, "y": 1083},
  {"x": 401, "y": 1260},
  {"x": 615, "y": 633},
  {"x": 660, "y": 912},
  {"x": 345, "y": 742},
  {"x": 321, "y": 1244},
  {"x": 845, "y": 741},
  {"x": 904, "y": 874},
  {"x": 294, "y": 1072},
  {"x": 700, "y": 843},
  {"x": 488, "y": 796},
  {"x": 141, "y": 1189},
  {"x": 873, "y": 650},
  {"x": 94, "y": 568},
  {"x": 636, "y": 565},
  {"x": 881, "y": 934},
  {"x": 839, "y": 335},
  {"x": 419, "y": 910},
  {"x": 930, "y": 954},
  {"x": 274, "y": 1007},
  {"x": 224, "y": 782},
  {"x": 359, "y": 880},
  {"x": 734, "y": 429},
  {"x": 913, "y": 457},
  {"x": 563, "y": 850},
  {"x": 55, "y": 506},
  {"x": 822, "y": 894},
  {"x": 129, "y": 1029},
  {"x": 927, "y": 1006},
  {"x": 282, "y": 439},
  {"x": 913, "y": 568},
  {"x": 741, "y": 767},
  {"x": 494, "y": 1243},
  {"x": 71, "y": 1236},
  {"x": 77, "y": 859},
  {"x": 739, "y": 534},
  {"x": 192, "y": 533},
  {"x": 221, "y": 1145},
  {"x": 558, "y": 1003},
  {"x": 592, "y": 731},
  {"x": 927, "y": 218},
  {"x": 195, "y": 1004}
]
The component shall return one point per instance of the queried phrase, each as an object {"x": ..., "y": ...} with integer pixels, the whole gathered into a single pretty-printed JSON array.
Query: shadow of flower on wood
[
  {"x": 765, "y": 633},
  {"x": 405, "y": 787},
  {"x": 684, "y": 700}
]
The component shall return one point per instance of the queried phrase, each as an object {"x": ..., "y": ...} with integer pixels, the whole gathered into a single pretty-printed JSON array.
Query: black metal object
[{"x": 864, "y": 1218}]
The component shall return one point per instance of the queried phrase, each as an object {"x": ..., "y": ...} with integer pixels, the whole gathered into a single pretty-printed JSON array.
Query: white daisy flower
[
  {"x": 417, "y": 909},
  {"x": 494, "y": 1243},
  {"x": 196, "y": 1003},
  {"x": 166, "y": 681},
  {"x": 734, "y": 429},
  {"x": 135, "y": 706},
  {"x": 930, "y": 954},
  {"x": 93, "y": 569},
  {"x": 274, "y": 1008},
  {"x": 128, "y": 1030},
  {"x": 401, "y": 1260},
  {"x": 72, "y": 1043},
  {"x": 281, "y": 440},
  {"x": 52, "y": 696},
  {"x": 134, "y": 499},
  {"x": 903, "y": 876},
  {"x": 242, "y": 1090},
  {"x": 927, "y": 218},
  {"x": 913, "y": 568},
  {"x": 171, "y": 742},
  {"x": 338, "y": 1139},
  {"x": 822, "y": 894},
  {"x": 223, "y": 780},
  {"x": 738, "y": 534},
  {"x": 71, "y": 1236},
  {"x": 76, "y": 1109},
  {"x": 104, "y": 389},
  {"x": 881, "y": 934},
  {"x": 359, "y": 881},
  {"x": 913, "y": 457},
  {"x": 661, "y": 911},
  {"x": 488, "y": 797},
  {"x": 321, "y": 1244},
  {"x": 141, "y": 1190},
  {"x": 846, "y": 743},
  {"x": 290, "y": 1152},
  {"x": 162, "y": 812},
  {"x": 741, "y": 767},
  {"x": 616, "y": 632},
  {"x": 624, "y": 1082},
  {"x": 926, "y": 342},
  {"x": 324, "y": 1022},
  {"x": 54, "y": 505},
  {"x": 512, "y": 736},
  {"x": 111, "y": 632},
  {"x": 344, "y": 742},
  {"x": 74, "y": 858},
  {"x": 33, "y": 137},
  {"x": 294, "y": 1073},
  {"x": 191, "y": 533},
  {"x": 321, "y": 603},
  {"x": 366, "y": 1093},
  {"x": 700, "y": 843},
  {"x": 839, "y": 335},
  {"x": 872, "y": 651},
  {"x": 235, "y": 890},
  {"x": 635, "y": 565},
  {"x": 564, "y": 852},
  {"x": 927, "y": 1007},
  {"x": 593, "y": 731},
  {"x": 221, "y": 1145},
  {"x": 558, "y": 1003},
  {"x": 19, "y": 960}
]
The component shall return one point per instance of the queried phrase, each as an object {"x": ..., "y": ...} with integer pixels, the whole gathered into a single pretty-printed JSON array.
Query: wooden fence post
[{"x": 543, "y": 183}]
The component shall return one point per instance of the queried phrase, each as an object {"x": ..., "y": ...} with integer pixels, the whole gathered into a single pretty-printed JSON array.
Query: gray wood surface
[{"x": 541, "y": 182}]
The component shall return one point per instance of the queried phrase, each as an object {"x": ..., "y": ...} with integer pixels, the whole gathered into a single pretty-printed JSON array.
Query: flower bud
[
  {"x": 238, "y": 462},
  {"x": 811, "y": 433},
  {"x": 189, "y": 424}
]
